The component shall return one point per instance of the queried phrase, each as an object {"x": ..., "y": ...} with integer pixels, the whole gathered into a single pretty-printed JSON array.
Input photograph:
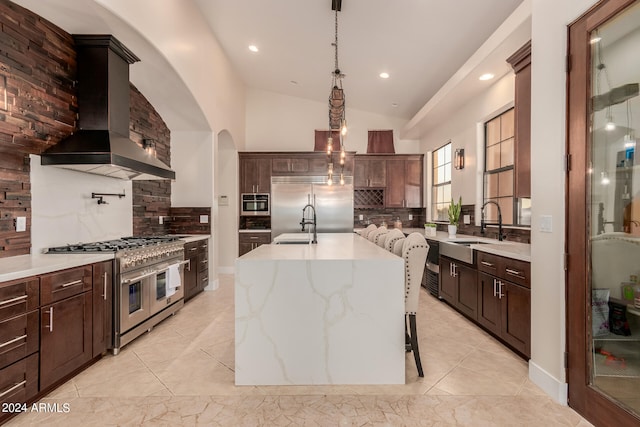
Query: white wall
[
  {"x": 284, "y": 123},
  {"x": 227, "y": 215},
  {"x": 461, "y": 130},
  {"x": 192, "y": 159},
  {"x": 548, "y": 133},
  {"x": 63, "y": 212}
]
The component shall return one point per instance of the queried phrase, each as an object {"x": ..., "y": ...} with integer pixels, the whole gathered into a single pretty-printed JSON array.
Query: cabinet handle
[
  {"x": 494, "y": 287},
  {"x": 254, "y": 238},
  {"x": 488, "y": 264},
  {"x": 204, "y": 279},
  {"x": 193, "y": 249},
  {"x": 104, "y": 294},
  {"x": 454, "y": 269},
  {"x": 75, "y": 282},
  {"x": 16, "y": 339},
  {"x": 51, "y": 319},
  {"x": 15, "y": 387},
  {"x": 12, "y": 300},
  {"x": 515, "y": 272},
  {"x": 500, "y": 294},
  {"x": 204, "y": 261}
]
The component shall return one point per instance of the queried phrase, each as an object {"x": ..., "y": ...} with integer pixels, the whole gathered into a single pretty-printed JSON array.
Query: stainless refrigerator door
[
  {"x": 287, "y": 201},
  {"x": 334, "y": 208}
]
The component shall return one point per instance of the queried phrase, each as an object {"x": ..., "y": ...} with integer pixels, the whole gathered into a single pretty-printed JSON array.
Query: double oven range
[{"x": 148, "y": 281}]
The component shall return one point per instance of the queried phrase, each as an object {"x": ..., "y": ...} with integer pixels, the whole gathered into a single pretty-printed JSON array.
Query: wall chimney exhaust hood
[{"x": 101, "y": 145}]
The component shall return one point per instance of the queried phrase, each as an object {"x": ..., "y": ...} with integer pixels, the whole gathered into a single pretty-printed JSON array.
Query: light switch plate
[
  {"x": 223, "y": 200},
  {"x": 466, "y": 219},
  {"x": 546, "y": 223},
  {"x": 410, "y": 217},
  {"x": 21, "y": 223},
  {"x": 361, "y": 217},
  {"x": 204, "y": 219},
  {"x": 160, "y": 220}
]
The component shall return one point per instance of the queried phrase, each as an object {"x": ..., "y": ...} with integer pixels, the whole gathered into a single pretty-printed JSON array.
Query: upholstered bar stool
[
  {"x": 373, "y": 236},
  {"x": 391, "y": 237},
  {"x": 414, "y": 251},
  {"x": 364, "y": 233},
  {"x": 382, "y": 238}
]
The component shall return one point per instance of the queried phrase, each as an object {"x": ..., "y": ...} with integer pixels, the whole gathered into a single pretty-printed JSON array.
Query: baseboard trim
[
  {"x": 556, "y": 389},
  {"x": 213, "y": 285}
]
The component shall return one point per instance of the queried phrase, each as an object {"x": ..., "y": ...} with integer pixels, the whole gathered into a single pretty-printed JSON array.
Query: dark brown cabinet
[
  {"x": 289, "y": 166},
  {"x": 370, "y": 171},
  {"x": 255, "y": 173},
  {"x": 458, "y": 286},
  {"x": 102, "y": 307},
  {"x": 504, "y": 295},
  {"x": 65, "y": 323},
  {"x": 196, "y": 274},
  {"x": 404, "y": 182},
  {"x": 19, "y": 341},
  {"x": 521, "y": 63},
  {"x": 249, "y": 241}
]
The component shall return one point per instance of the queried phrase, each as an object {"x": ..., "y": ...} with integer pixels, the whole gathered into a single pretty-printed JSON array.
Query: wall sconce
[
  {"x": 149, "y": 146},
  {"x": 458, "y": 159}
]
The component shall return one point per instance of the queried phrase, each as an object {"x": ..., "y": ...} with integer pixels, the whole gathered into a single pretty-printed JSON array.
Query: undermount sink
[{"x": 293, "y": 239}]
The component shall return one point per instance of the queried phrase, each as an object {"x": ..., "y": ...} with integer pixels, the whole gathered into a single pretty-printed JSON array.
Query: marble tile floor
[{"x": 181, "y": 374}]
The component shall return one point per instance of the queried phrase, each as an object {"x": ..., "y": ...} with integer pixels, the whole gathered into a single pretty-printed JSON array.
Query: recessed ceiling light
[
  {"x": 595, "y": 39},
  {"x": 253, "y": 48},
  {"x": 487, "y": 76},
  {"x": 293, "y": 82},
  {"x": 394, "y": 104},
  {"x": 384, "y": 75}
]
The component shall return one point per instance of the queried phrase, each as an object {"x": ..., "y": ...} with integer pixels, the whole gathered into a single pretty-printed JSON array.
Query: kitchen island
[{"x": 326, "y": 313}]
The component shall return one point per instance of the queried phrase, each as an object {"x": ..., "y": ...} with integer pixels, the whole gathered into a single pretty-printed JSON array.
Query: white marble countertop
[
  {"x": 514, "y": 250},
  {"x": 21, "y": 266},
  {"x": 188, "y": 238},
  {"x": 330, "y": 246}
]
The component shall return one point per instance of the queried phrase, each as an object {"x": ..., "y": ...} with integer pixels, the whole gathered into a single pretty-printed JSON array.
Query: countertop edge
[
  {"x": 22, "y": 266},
  {"x": 193, "y": 237}
]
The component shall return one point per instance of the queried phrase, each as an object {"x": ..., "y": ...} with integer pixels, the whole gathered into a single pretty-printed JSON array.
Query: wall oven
[{"x": 255, "y": 204}]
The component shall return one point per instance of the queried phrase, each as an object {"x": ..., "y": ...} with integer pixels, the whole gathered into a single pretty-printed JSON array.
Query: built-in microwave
[{"x": 255, "y": 204}]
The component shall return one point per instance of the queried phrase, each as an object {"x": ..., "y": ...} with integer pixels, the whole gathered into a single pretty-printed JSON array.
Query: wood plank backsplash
[{"x": 38, "y": 108}]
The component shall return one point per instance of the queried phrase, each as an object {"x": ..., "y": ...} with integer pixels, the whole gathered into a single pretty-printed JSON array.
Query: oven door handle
[
  {"x": 135, "y": 279},
  {"x": 186, "y": 262}
]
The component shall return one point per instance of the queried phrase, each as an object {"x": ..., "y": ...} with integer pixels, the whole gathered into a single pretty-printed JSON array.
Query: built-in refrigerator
[{"x": 333, "y": 204}]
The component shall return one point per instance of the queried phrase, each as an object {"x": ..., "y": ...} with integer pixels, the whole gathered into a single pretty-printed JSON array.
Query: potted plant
[
  {"x": 454, "y": 216},
  {"x": 430, "y": 229}
]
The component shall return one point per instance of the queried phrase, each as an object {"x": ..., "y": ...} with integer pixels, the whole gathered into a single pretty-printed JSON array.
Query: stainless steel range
[{"x": 148, "y": 277}]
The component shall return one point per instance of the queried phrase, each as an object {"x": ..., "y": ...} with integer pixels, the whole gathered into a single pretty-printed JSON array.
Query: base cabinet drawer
[
  {"x": 19, "y": 381},
  {"x": 19, "y": 296},
  {"x": 66, "y": 283},
  {"x": 19, "y": 337}
]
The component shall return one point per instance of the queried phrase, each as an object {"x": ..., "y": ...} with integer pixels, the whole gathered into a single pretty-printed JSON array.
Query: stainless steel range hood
[{"x": 102, "y": 145}]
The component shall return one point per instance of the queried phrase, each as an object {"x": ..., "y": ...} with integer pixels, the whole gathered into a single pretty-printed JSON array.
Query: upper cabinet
[
  {"x": 255, "y": 173},
  {"x": 404, "y": 182},
  {"x": 388, "y": 181},
  {"x": 370, "y": 171},
  {"x": 520, "y": 61}
]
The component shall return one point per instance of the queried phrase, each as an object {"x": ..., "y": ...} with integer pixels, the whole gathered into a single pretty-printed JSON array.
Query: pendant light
[{"x": 337, "y": 118}]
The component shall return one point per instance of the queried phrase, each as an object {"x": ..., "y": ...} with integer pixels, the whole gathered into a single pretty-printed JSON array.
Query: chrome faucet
[
  {"x": 306, "y": 221},
  {"x": 483, "y": 223}
]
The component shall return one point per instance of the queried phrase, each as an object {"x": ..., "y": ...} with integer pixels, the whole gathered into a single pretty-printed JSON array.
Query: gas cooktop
[{"x": 124, "y": 243}]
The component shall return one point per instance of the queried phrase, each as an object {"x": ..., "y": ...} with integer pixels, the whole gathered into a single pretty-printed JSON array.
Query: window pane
[
  {"x": 505, "y": 183},
  {"x": 506, "y": 206},
  {"x": 507, "y": 125},
  {"x": 491, "y": 186},
  {"x": 434, "y": 157},
  {"x": 506, "y": 153},
  {"x": 446, "y": 196},
  {"x": 440, "y": 157},
  {"x": 491, "y": 212},
  {"x": 447, "y": 153},
  {"x": 493, "y": 157},
  {"x": 440, "y": 179},
  {"x": 447, "y": 174},
  {"x": 493, "y": 131}
]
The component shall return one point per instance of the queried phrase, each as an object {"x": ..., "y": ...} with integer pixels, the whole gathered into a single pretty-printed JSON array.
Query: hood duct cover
[{"x": 101, "y": 145}]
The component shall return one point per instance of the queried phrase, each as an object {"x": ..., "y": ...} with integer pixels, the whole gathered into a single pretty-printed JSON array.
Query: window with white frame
[{"x": 441, "y": 179}]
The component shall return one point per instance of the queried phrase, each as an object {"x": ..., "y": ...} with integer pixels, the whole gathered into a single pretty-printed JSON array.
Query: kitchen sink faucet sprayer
[
  {"x": 483, "y": 223},
  {"x": 306, "y": 221}
]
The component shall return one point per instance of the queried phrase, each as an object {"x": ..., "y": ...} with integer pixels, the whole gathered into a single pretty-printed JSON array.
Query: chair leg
[
  {"x": 414, "y": 343},
  {"x": 407, "y": 338}
]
